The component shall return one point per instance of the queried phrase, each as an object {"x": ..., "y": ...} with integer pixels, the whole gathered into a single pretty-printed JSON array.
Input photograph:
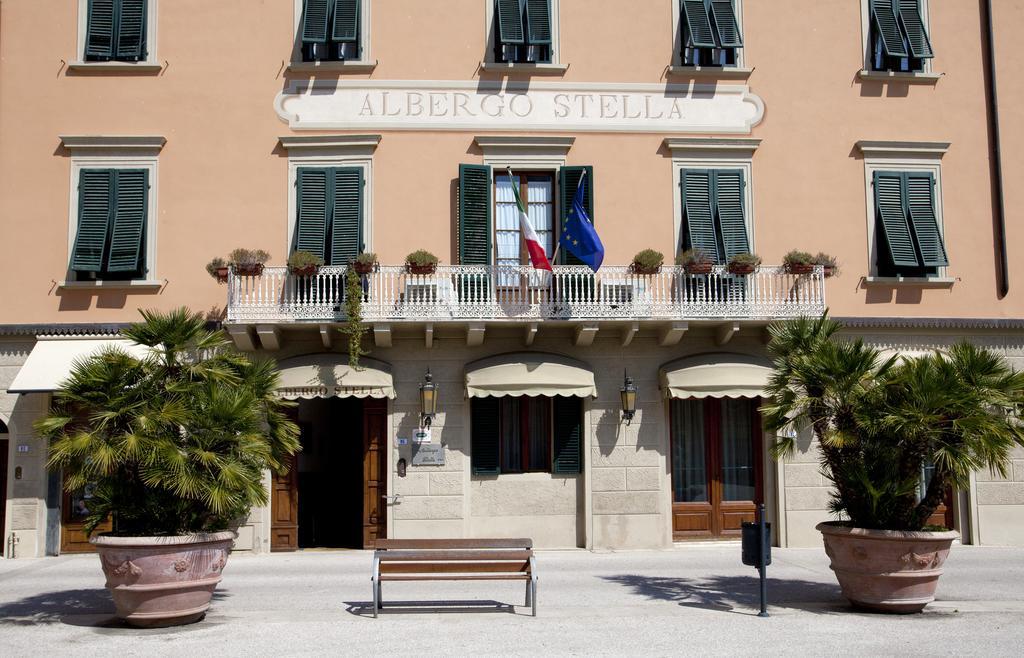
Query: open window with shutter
[
  {"x": 112, "y": 214},
  {"x": 115, "y": 30},
  {"x": 909, "y": 240},
  {"x": 526, "y": 434},
  {"x": 713, "y": 212},
  {"x": 898, "y": 37},
  {"x": 523, "y": 31},
  {"x": 329, "y": 213},
  {"x": 331, "y": 30},
  {"x": 710, "y": 32}
]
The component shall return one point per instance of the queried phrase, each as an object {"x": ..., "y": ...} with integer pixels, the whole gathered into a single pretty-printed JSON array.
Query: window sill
[
  {"x": 908, "y": 281},
  {"x": 140, "y": 67},
  {"x": 348, "y": 66},
  {"x": 711, "y": 72},
  {"x": 898, "y": 76},
  {"x": 515, "y": 67},
  {"x": 139, "y": 285}
]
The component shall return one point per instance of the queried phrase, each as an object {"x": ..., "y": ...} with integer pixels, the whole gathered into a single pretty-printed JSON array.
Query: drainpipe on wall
[{"x": 997, "y": 161}]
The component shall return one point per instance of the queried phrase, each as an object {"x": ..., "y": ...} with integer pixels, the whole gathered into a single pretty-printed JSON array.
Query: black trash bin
[{"x": 751, "y": 540}]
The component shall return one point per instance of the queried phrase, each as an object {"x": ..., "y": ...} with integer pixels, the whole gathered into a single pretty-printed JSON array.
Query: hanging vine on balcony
[{"x": 354, "y": 327}]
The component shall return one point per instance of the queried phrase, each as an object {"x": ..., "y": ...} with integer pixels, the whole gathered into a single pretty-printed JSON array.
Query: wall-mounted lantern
[
  {"x": 628, "y": 394},
  {"x": 428, "y": 399}
]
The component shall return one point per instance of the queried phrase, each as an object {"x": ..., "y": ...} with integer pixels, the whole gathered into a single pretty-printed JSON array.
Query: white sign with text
[{"x": 455, "y": 105}]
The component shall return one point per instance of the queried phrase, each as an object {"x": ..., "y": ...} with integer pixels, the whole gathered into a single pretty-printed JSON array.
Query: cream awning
[
  {"x": 330, "y": 376},
  {"x": 715, "y": 376},
  {"x": 531, "y": 374},
  {"x": 49, "y": 363}
]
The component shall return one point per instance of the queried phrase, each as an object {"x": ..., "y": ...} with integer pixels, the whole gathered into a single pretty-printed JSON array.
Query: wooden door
[
  {"x": 3, "y": 489},
  {"x": 284, "y": 509},
  {"x": 74, "y": 509},
  {"x": 375, "y": 472},
  {"x": 716, "y": 466}
]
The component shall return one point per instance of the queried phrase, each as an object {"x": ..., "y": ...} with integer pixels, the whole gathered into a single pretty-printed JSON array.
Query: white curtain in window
[{"x": 506, "y": 231}]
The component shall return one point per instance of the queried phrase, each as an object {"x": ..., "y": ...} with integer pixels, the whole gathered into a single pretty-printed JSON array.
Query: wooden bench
[{"x": 454, "y": 559}]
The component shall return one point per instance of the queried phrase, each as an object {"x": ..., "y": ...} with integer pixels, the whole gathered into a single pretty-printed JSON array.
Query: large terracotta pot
[
  {"x": 887, "y": 570},
  {"x": 163, "y": 581}
]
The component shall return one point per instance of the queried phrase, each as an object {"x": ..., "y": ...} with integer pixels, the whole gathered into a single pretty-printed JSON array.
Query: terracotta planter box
[
  {"x": 799, "y": 268},
  {"x": 363, "y": 268},
  {"x": 305, "y": 271},
  {"x": 886, "y": 570},
  {"x": 830, "y": 271},
  {"x": 741, "y": 269},
  {"x": 163, "y": 581},
  {"x": 254, "y": 269},
  {"x": 420, "y": 269},
  {"x": 637, "y": 269},
  {"x": 699, "y": 268},
  {"x": 222, "y": 274}
]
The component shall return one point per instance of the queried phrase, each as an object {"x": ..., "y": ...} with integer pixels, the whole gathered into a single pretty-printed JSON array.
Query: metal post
[{"x": 762, "y": 557}]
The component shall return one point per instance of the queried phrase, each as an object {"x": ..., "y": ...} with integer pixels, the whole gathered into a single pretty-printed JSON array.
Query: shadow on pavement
[
  {"x": 365, "y": 608},
  {"x": 737, "y": 594},
  {"x": 73, "y": 607}
]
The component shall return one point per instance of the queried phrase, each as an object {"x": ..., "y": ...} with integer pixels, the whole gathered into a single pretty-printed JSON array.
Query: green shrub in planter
[
  {"x": 304, "y": 263},
  {"x": 421, "y": 262},
  {"x": 648, "y": 261},
  {"x": 743, "y": 263},
  {"x": 827, "y": 262}
]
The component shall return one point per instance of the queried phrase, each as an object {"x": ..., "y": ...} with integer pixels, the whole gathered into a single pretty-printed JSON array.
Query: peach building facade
[{"x": 139, "y": 139}]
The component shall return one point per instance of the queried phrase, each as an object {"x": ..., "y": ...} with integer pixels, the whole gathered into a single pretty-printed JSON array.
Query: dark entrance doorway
[
  {"x": 3, "y": 482},
  {"x": 333, "y": 496},
  {"x": 716, "y": 466}
]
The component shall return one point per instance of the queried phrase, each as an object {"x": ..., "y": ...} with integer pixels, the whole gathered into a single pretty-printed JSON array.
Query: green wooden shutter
[
  {"x": 538, "y": 17},
  {"x": 475, "y": 231},
  {"x": 913, "y": 24},
  {"x": 347, "y": 215},
  {"x": 510, "y": 22},
  {"x": 568, "y": 435},
  {"x": 99, "y": 40},
  {"x": 311, "y": 219},
  {"x": 695, "y": 14},
  {"x": 131, "y": 189},
  {"x": 484, "y": 431},
  {"x": 346, "y": 21},
  {"x": 131, "y": 31},
  {"x": 698, "y": 217},
  {"x": 314, "y": 20},
  {"x": 884, "y": 16},
  {"x": 729, "y": 202},
  {"x": 921, "y": 205},
  {"x": 726, "y": 25},
  {"x": 890, "y": 209},
  {"x": 95, "y": 189},
  {"x": 568, "y": 181}
]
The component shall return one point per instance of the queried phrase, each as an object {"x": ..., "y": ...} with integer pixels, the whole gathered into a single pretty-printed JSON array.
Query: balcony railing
[{"x": 571, "y": 292}]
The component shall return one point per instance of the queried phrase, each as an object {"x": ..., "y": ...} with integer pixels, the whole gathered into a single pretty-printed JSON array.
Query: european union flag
[{"x": 578, "y": 234}]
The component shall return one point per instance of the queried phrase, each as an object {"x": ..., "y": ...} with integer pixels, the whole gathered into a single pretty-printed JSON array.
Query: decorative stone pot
[
  {"x": 163, "y": 581},
  {"x": 886, "y": 570}
]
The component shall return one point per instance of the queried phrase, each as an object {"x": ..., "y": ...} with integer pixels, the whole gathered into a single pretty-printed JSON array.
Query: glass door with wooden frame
[
  {"x": 537, "y": 192},
  {"x": 716, "y": 466}
]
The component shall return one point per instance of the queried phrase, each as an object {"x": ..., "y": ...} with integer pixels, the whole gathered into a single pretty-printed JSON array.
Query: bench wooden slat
[
  {"x": 469, "y": 577},
  {"x": 447, "y": 556},
  {"x": 441, "y": 544},
  {"x": 454, "y": 567}
]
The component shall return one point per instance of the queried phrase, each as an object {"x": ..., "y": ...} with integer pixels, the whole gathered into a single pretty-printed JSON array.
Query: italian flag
[{"x": 533, "y": 245}]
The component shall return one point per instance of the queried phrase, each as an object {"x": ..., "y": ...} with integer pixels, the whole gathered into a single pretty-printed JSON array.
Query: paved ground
[{"x": 693, "y": 599}]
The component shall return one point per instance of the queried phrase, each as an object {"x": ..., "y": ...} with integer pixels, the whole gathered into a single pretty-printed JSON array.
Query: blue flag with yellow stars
[{"x": 578, "y": 234}]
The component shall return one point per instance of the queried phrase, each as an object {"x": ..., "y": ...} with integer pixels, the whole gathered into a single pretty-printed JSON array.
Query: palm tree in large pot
[
  {"x": 879, "y": 423},
  {"x": 173, "y": 446}
]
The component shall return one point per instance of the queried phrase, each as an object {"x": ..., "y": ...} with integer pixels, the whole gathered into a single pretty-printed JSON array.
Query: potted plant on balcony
[
  {"x": 174, "y": 445},
  {"x": 798, "y": 262},
  {"x": 741, "y": 264},
  {"x": 218, "y": 269},
  {"x": 304, "y": 263},
  {"x": 421, "y": 262},
  {"x": 878, "y": 423},
  {"x": 828, "y": 264},
  {"x": 647, "y": 261},
  {"x": 365, "y": 263},
  {"x": 248, "y": 262},
  {"x": 695, "y": 261}
]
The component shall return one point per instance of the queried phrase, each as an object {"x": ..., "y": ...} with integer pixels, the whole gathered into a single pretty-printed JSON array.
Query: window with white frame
[
  {"x": 904, "y": 209},
  {"x": 522, "y": 31},
  {"x": 710, "y": 33},
  {"x": 332, "y": 30},
  {"x": 113, "y": 208},
  {"x": 117, "y": 31},
  {"x": 896, "y": 36}
]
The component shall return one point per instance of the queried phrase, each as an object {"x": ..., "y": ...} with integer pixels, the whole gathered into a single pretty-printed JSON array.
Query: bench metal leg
[
  {"x": 528, "y": 593},
  {"x": 533, "y": 594},
  {"x": 375, "y": 585}
]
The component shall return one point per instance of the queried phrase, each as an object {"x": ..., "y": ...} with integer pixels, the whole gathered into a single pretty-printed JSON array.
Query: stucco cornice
[
  {"x": 499, "y": 145},
  {"x": 903, "y": 149},
  {"x": 933, "y": 323},
  {"x": 683, "y": 146},
  {"x": 80, "y": 143},
  {"x": 360, "y": 143}
]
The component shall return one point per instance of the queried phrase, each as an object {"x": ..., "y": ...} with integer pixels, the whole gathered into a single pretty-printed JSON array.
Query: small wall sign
[
  {"x": 422, "y": 435},
  {"x": 401, "y": 441},
  {"x": 22, "y": 449},
  {"x": 428, "y": 454}
]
